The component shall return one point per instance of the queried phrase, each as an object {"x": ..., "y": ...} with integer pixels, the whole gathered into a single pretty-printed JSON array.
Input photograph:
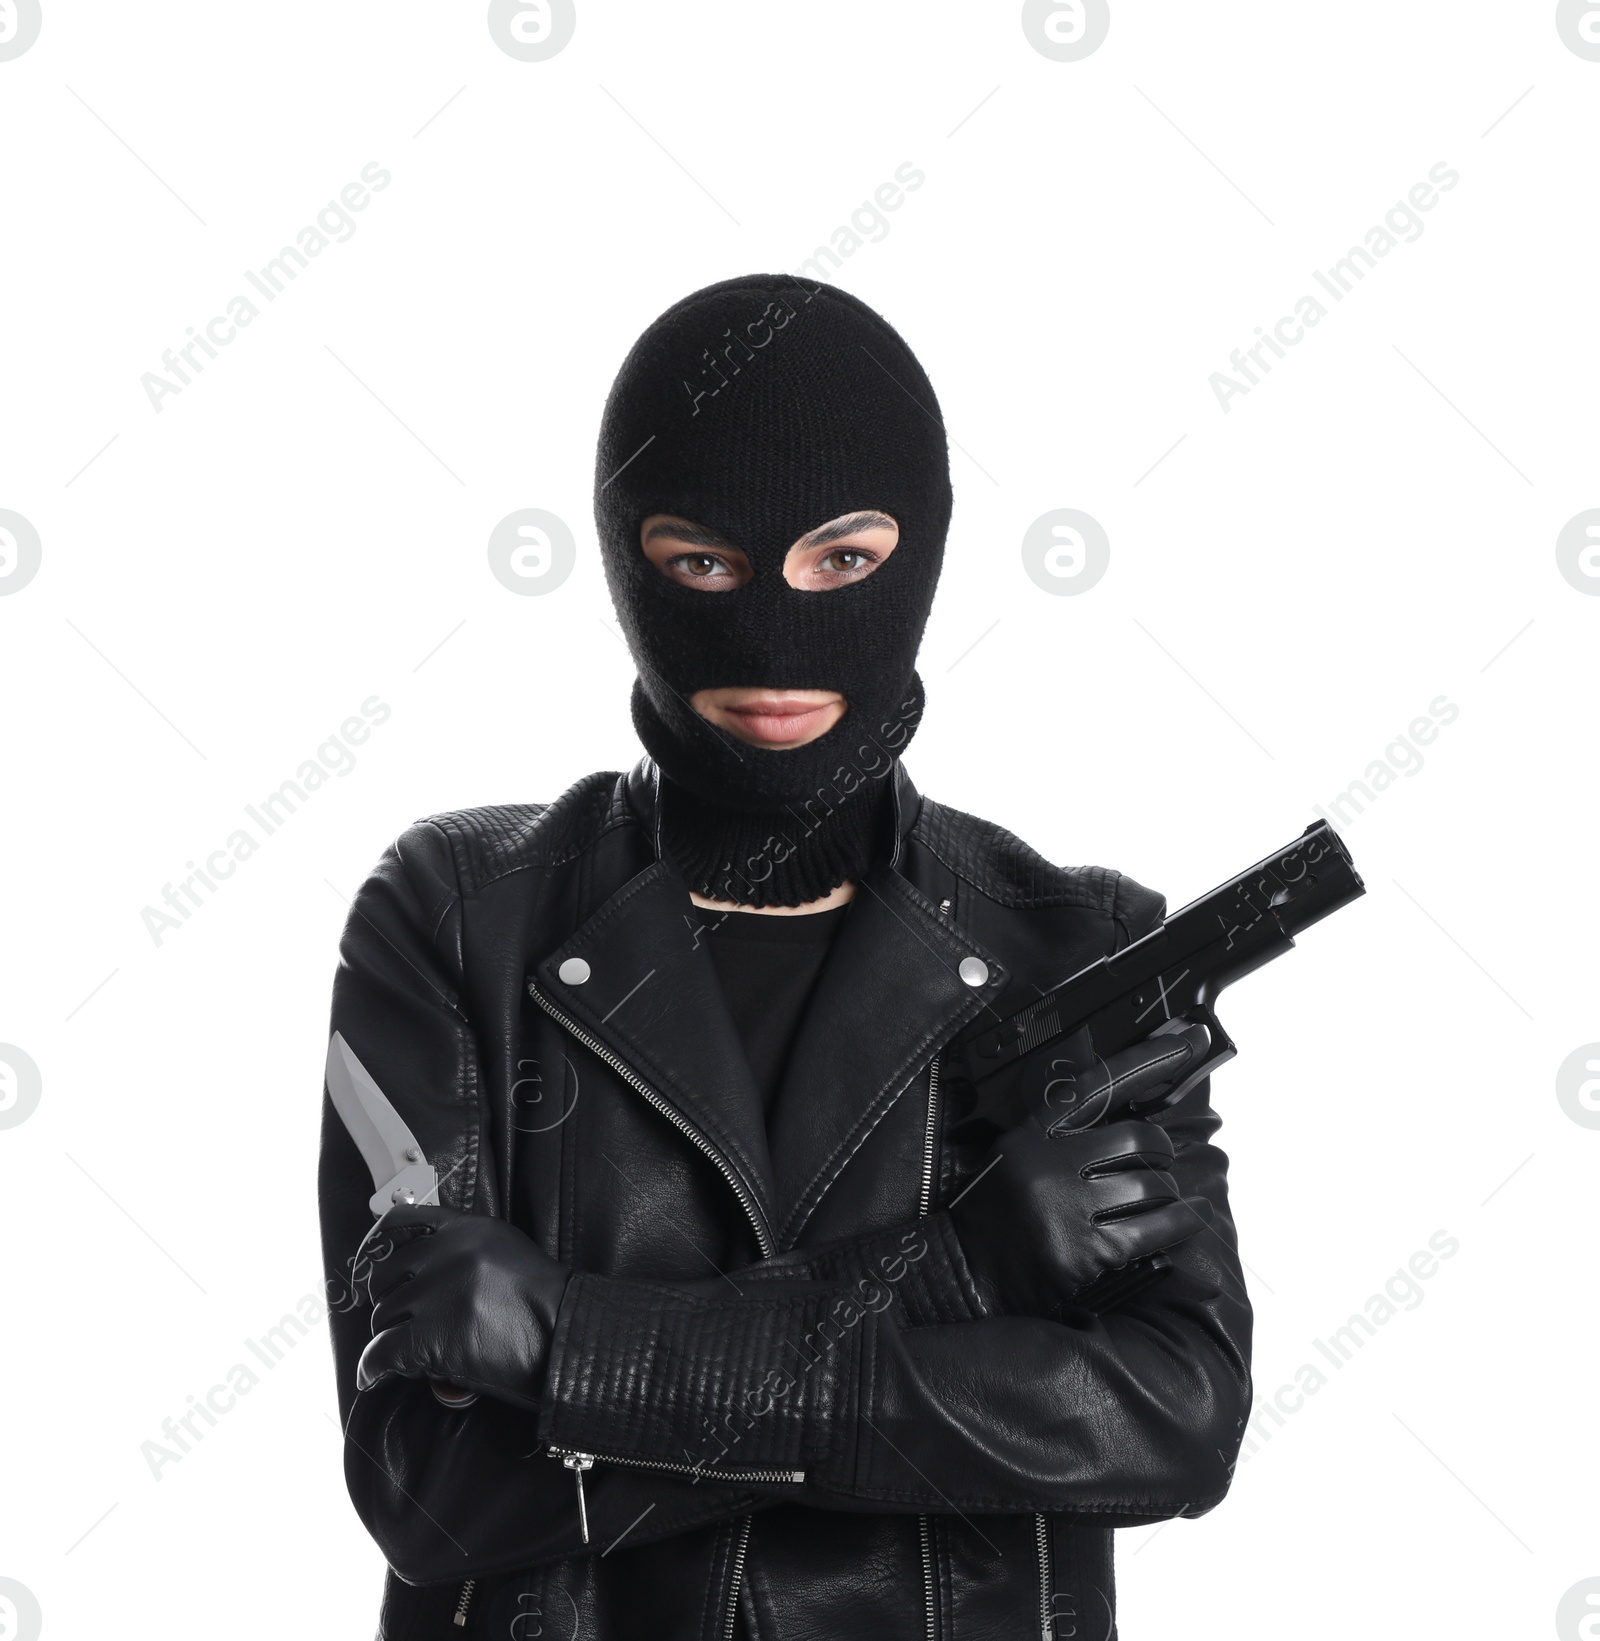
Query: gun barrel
[{"x": 1187, "y": 959}]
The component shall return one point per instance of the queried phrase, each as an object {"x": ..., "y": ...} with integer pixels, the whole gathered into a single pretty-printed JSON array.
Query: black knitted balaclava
[{"x": 761, "y": 408}]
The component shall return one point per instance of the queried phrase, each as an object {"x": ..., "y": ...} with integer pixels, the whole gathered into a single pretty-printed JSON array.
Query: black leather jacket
[{"x": 802, "y": 1423}]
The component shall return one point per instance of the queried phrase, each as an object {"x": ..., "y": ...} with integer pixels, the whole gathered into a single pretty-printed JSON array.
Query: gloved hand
[
  {"x": 1132, "y": 1083},
  {"x": 1056, "y": 1205},
  {"x": 461, "y": 1298}
]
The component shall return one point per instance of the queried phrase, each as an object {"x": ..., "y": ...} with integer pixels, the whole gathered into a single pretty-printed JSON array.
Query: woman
[{"x": 729, "y": 1316}]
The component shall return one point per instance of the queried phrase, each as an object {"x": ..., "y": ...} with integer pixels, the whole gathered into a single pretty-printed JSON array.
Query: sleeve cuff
[{"x": 640, "y": 1371}]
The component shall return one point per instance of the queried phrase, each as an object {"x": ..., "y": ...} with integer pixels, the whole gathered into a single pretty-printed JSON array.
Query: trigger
[{"x": 1168, "y": 1027}]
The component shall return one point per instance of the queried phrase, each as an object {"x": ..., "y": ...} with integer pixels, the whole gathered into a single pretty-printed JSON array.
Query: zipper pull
[
  {"x": 465, "y": 1602},
  {"x": 577, "y": 1463}
]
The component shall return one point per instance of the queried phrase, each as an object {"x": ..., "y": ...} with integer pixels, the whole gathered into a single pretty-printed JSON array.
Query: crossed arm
[{"x": 871, "y": 1366}]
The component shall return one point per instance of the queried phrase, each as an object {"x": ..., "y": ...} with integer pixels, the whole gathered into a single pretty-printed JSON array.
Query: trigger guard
[{"x": 1208, "y": 1063}]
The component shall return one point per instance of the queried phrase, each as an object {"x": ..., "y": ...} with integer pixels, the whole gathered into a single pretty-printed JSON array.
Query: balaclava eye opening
[{"x": 760, "y": 408}]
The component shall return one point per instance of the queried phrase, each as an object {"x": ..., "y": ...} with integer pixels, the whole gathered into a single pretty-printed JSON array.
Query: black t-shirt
[{"x": 768, "y": 965}]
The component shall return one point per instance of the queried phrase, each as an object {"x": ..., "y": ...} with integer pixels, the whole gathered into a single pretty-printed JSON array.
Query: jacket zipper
[
  {"x": 577, "y": 1463},
  {"x": 465, "y": 1601},
  {"x": 1041, "y": 1530},
  {"x": 730, "y": 1622},
  {"x": 930, "y": 1146},
  {"x": 635, "y": 1081},
  {"x": 929, "y": 1588},
  {"x": 930, "y": 1141}
]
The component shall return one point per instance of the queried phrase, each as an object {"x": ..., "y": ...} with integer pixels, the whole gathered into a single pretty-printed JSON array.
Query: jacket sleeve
[
  {"x": 447, "y": 1494},
  {"x": 1126, "y": 1418},
  {"x": 894, "y": 1392}
]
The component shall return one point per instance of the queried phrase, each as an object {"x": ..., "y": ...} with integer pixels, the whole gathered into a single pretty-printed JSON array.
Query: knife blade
[{"x": 400, "y": 1172}]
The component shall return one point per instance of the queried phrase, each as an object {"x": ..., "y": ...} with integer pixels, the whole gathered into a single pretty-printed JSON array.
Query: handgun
[{"x": 1163, "y": 982}]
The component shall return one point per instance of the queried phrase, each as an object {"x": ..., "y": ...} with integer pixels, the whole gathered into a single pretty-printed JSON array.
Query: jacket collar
[
  {"x": 891, "y": 994},
  {"x": 636, "y": 976}
]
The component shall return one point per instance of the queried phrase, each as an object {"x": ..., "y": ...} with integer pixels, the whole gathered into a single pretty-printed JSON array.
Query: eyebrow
[
  {"x": 699, "y": 535},
  {"x": 840, "y": 528},
  {"x": 691, "y": 535}
]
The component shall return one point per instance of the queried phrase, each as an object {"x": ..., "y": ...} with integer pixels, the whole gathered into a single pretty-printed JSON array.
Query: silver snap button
[
  {"x": 974, "y": 971},
  {"x": 573, "y": 972}
]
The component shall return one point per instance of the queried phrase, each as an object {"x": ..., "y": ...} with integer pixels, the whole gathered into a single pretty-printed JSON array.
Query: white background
[{"x": 1372, "y": 527}]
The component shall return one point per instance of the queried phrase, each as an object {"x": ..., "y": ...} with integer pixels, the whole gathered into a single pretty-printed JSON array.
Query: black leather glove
[
  {"x": 460, "y": 1298},
  {"x": 1057, "y": 1205},
  {"x": 1134, "y": 1082}
]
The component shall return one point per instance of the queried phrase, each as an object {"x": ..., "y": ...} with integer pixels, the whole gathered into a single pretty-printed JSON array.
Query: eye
[
  {"x": 700, "y": 566},
  {"x": 846, "y": 562},
  {"x": 860, "y": 544}
]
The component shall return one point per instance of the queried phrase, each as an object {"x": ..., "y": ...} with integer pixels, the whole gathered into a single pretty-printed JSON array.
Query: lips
[{"x": 779, "y": 721}]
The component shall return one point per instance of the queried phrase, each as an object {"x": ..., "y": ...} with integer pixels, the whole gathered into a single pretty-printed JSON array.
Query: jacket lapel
[
  {"x": 890, "y": 995},
  {"x": 651, "y": 996}
]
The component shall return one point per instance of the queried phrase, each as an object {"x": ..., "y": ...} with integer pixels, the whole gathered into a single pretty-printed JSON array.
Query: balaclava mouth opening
[{"x": 760, "y": 408}]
